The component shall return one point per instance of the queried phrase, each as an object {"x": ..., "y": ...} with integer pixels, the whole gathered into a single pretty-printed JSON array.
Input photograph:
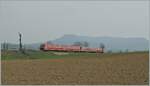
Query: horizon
[
  {"x": 40, "y": 21},
  {"x": 71, "y": 35}
]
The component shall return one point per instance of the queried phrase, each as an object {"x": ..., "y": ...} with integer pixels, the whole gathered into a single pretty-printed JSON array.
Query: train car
[
  {"x": 68, "y": 48},
  {"x": 92, "y": 50}
]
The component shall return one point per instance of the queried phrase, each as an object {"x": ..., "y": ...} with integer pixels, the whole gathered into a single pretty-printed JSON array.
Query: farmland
[{"x": 59, "y": 68}]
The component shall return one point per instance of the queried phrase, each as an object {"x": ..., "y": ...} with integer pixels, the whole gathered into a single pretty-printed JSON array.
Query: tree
[
  {"x": 85, "y": 44},
  {"x": 49, "y": 42},
  {"x": 4, "y": 46},
  {"x": 102, "y": 46},
  {"x": 120, "y": 51},
  {"x": 77, "y": 44},
  {"x": 82, "y": 44}
]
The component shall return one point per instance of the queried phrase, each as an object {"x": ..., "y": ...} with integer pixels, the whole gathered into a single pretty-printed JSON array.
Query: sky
[{"x": 40, "y": 21}]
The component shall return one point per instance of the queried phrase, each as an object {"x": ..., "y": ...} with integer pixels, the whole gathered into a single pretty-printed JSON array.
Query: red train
[{"x": 68, "y": 48}]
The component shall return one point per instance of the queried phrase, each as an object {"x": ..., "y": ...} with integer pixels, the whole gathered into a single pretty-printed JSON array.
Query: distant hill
[{"x": 111, "y": 43}]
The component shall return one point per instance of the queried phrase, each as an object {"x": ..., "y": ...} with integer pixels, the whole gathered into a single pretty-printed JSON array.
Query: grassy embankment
[{"x": 12, "y": 55}]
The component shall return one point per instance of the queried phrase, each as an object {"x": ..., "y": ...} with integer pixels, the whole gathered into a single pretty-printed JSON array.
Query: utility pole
[{"x": 20, "y": 42}]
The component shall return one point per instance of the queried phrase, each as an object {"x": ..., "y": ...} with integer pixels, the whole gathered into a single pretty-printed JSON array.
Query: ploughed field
[{"x": 76, "y": 69}]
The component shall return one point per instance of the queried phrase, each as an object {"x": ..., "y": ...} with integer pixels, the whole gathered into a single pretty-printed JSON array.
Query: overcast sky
[{"x": 40, "y": 21}]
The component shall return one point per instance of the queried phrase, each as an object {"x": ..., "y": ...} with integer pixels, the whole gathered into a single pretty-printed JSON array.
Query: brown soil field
[{"x": 130, "y": 69}]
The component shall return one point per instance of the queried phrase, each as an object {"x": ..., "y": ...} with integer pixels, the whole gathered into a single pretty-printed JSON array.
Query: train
[{"x": 69, "y": 48}]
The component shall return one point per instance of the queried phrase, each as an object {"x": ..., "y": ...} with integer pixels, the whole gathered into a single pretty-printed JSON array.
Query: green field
[{"x": 12, "y": 55}]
